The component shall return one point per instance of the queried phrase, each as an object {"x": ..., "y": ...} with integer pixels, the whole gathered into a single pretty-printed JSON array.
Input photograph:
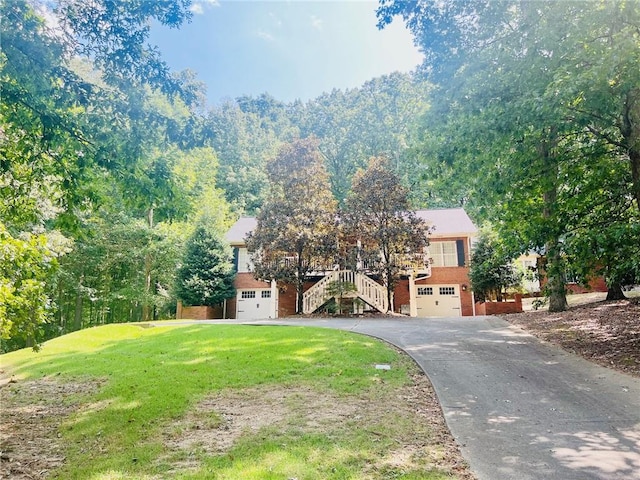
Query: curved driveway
[{"x": 520, "y": 409}]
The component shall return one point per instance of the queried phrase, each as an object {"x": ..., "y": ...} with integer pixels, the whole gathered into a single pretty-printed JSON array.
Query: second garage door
[
  {"x": 254, "y": 304},
  {"x": 438, "y": 300}
]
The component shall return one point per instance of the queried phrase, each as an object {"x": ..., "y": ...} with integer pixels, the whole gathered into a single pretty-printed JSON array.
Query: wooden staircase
[{"x": 368, "y": 290}]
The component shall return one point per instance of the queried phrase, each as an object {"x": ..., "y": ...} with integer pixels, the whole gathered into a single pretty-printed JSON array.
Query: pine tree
[{"x": 206, "y": 275}]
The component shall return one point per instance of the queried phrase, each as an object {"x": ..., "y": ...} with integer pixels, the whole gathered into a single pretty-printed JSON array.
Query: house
[
  {"x": 438, "y": 287},
  {"x": 535, "y": 263}
]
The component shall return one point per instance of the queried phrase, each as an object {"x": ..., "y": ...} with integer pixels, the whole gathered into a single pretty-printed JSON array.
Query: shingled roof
[{"x": 445, "y": 222}]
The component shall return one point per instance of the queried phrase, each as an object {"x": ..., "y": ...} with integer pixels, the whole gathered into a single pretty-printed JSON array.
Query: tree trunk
[
  {"x": 614, "y": 292},
  {"x": 556, "y": 284},
  {"x": 555, "y": 267},
  {"x": 146, "y": 311},
  {"x": 634, "y": 158},
  {"x": 630, "y": 130},
  {"x": 77, "y": 317}
]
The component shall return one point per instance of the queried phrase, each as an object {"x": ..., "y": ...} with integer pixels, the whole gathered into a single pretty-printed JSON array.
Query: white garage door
[
  {"x": 438, "y": 300},
  {"x": 253, "y": 304}
]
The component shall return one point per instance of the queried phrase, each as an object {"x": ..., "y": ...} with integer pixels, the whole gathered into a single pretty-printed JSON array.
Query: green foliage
[
  {"x": 373, "y": 120},
  {"x": 25, "y": 264},
  {"x": 491, "y": 271},
  {"x": 119, "y": 270},
  {"x": 206, "y": 274},
  {"x": 245, "y": 135},
  {"x": 339, "y": 290},
  {"x": 377, "y": 213},
  {"x": 86, "y": 134},
  {"x": 296, "y": 231},
  {"x": 534, "y": 101},
  {"x": 115, "y": 36}
]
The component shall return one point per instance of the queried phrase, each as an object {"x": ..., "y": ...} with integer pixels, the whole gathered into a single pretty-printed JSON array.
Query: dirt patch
[
  {"x": 32, "y": 412},
  {"x": 220, "y": 420},
  {"x": 607, "y": 333}
]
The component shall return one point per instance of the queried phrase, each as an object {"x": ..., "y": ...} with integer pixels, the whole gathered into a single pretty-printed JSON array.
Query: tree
[
  {"x": 77, "y": 109},
  {"x": 519, "y": 86},
  {"x": 600, "y": 80},
  {"x": 339, "y": 290},
  {"x": 115, "y": 36},
  {"x": 377, "y": 213},
  {"x": 206, "y": 274},
  {"x": 375, "y": 119},
  {"x": 491, "y": 271},
  {"x": 296, "y": 230},
  {"x": 25, "y": 265},
  {"x": 243, "y": 142}
]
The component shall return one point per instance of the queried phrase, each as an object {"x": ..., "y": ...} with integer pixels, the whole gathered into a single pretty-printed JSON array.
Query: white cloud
[
  {"x": 265, "y": 35},
  {"x": 197, "y": 8},
  {"x": 316, "y": 23}
]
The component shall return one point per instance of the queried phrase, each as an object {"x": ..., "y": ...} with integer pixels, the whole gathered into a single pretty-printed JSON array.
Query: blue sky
[{"x": 290, "y": 49}]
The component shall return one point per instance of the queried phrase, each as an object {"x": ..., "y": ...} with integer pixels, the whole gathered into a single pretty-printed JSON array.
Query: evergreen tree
[
  {"x": 206, "y": 275},
  {"x": 491, "y": 271}
]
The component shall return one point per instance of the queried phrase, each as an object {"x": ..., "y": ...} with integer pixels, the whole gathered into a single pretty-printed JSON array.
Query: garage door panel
[
  {"x": 438, "y": 300},
  {"x": 253, "y": 304}
]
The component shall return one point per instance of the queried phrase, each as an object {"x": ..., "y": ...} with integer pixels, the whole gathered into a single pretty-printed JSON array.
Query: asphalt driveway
[{"x": 519, "y": 408}]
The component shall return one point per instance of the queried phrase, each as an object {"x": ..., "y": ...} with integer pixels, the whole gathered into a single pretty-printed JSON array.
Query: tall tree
[
  {"x": 206, "y": 274},
  {"x": 516, "y": 113},
  {"x": 491, "y": 271},
  {"x": 296, "y": 232},
  {"x": 63, "y": 127},
  {"x": 377, "y": 213},
  {"x": 374, "y": 120}
]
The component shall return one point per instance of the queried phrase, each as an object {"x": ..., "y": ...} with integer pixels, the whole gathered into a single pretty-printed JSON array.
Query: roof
[
  {"x": 446, "y": 222},
  {"x": 240, "y": 229}
]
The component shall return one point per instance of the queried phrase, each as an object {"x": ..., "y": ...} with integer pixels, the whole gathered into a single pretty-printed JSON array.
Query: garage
[
  {"x": 438, "y": 300},
  {"x": 254, "y": 304}
]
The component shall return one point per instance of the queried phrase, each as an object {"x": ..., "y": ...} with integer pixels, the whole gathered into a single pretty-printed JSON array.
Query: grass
[{"x": 151, "y": 378}]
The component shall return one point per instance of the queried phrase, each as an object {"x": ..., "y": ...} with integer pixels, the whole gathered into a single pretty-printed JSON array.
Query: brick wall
[
  {"x": 246, "y": 280},
  {"x": 595, "y": 285},
  {"x": 401, "y": 294},
  {"x": 198, "y": 312},
  {"x": 453, "y": 276},
  {"x": 498, "y": 308}
]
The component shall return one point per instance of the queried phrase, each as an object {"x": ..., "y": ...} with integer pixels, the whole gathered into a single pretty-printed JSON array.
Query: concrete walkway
[{"x": 519, "y": 408}]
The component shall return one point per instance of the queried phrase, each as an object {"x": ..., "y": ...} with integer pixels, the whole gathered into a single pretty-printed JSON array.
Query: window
[
  {"x": 447, "y": 290},
  {"x": 266, "y": 294},
  {"x": 248, "y": 294},
  {"x": 444, "y": 254},
  {"x": 244, "y": 261},
  {"x": 425, "y": 290}
]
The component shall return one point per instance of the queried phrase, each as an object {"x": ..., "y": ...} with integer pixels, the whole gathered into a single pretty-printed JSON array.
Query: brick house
[{"x": 437, "y": 286}]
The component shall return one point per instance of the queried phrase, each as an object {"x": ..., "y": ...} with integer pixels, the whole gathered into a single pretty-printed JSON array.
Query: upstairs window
[
  {"x": 244, "y": 261},
  {"x": 444, "y": 254}
]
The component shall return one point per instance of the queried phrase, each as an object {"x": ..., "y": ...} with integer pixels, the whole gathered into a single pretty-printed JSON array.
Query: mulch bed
[{"x": 607, "y": 333}]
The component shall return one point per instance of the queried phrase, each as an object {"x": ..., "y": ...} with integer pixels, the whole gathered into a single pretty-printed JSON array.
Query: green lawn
[{"x": 151, "y": 381}]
